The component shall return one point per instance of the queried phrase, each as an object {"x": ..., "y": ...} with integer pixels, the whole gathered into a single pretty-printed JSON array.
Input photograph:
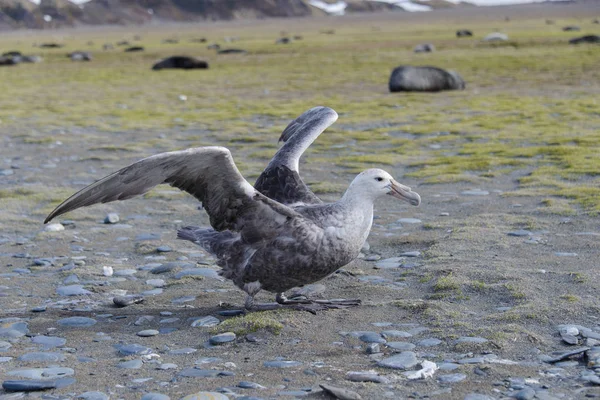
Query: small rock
[
  {"x": 405, "y": 360},
  {"x": 147, "y": 333},
  {"x": 205, "y": 396},
  {"x": 451, "y": 378},
  {"x": 132, "y": 364},
  {"x": 222, "y": 338},
  {"x": 207, "y": 321},
  {"x": 111, "y": 218},
  {"x": 124, "y": 301},
  {"x": 281, "y": 364},
  {"x": 340, "y": 393},
  {"x": 56, "y": 227}
]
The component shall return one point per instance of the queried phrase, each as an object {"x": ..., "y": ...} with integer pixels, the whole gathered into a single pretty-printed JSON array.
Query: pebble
[
  {"x": 203, "y": 373},
  {"x": 167, "y": 366},
  {"x": 132, "y": 364},
  {"x": 405, "y": 360},
  {"x": 372, "y": 337},
  {"x": 395, "y": 333},
  {"x": 72, "y": 290},
  {"x": 147, "y": 333},
  {"x": 207, "y": 321},
  {"x": 281, "y": 364},
  {"x": 132, "y": 349},
  {"x": 520, "y": 233},
  {"x": 124, "y": 301},
  {"x": 429, "y": 342},
  {"x": 411, "y": 254},
  {"x": 164, "y": 249},
  {"x": 42, "y": 357},
  {"x": 156, "y": 282},
  {"x": 401, "y": 346},
  {"x": 155, "y": 396},
  {"x": 29, "y": 385},
  {"x": 54, "y": 227},
  {"x": 340, "y": 393},
  {"x": 49, "y": 341},
  {"x": 93, "y": 396},
  {"x": 205, "y": 396},
  {"x": 41, "y": 373},
  {"x": 475, "y": 192},
  {"x": 79, "y": 322},
  {"x": 373, "y": 348},
  {"x": 186, "y": 350},
  {"x": 451, "y": 378},
  {"x": 366, "y": 376},
  {"x": 524, "y": 394},
  {"x": 409, "y": 221},
  {"x": 205, "y": 272},
  {"x": 470, "y": 339},
  {"x": 250, "y": 385},
  {"x": 111, "y": 218}
]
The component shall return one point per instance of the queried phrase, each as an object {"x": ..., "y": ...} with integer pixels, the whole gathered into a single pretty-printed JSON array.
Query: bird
[{"x": 273, "y": 236}]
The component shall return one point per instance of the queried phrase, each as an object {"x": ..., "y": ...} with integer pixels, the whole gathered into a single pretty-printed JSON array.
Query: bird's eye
[{"x": 379, "y": 179}]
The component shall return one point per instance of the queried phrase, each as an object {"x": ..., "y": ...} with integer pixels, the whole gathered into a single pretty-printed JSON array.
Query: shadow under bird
[{"x": 274, "y": 236}]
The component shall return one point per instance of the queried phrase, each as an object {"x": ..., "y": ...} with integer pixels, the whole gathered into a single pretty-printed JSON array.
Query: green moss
[
  {"x": 446, "y": 283},
  {"x": 252, "y": 322}
]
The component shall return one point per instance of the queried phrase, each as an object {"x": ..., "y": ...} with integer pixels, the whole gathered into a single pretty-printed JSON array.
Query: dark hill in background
[{"x": 15, "y": 14}]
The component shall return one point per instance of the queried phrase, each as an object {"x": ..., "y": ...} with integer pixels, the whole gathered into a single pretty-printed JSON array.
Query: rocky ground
[{"x": 458, "y": 295}]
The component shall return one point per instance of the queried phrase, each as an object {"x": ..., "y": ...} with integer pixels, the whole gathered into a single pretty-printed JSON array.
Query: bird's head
[{"x": 377, "y": 183}]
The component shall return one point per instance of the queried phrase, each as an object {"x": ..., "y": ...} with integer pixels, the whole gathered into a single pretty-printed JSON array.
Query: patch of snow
[{"x": 338, "y": 8}]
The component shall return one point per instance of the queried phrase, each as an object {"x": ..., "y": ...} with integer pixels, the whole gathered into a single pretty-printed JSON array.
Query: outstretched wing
[
  {"x": 207, "y": 173},
  {"x": 281, "y": 179}
]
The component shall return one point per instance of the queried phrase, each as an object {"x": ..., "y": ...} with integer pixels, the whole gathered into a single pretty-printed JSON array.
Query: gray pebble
[
  {"x": 429, "y": 342},
  {"x": 448, "y": 366},
  {"x": 49, "y": 341},
  {"x": 524, "y": 394},
  {"x": 475, "y": 192},
  {"x": 167, "y": 366},
  {"x": 395, "y": 333},
  {"x": 124, "y": 301},
  {"x": 340, "y": 393},
  {"x": 41, "y": 373},
  {"x": 72, "y": 290},
  {"x": 401, "y": 346},
  {"x": 207, "y": 321},
  {"x": 156, "y": 282},
  {"x": 205, "y": 272},
  {"x": 111, "y": 218},
  {"x": 77, "y": 322},
  {"x": 411, "y": 254},
  {"x": 519, "y": 233},
  {"x": 28, "y": 385},
  {"x": 143, "y": 320},
  {"x": 186, "y": 350},
  {"x": 203, "y": 373},
  {"x": 147, "y": 333},
  {"x": 372, "y": 337},
  {"x": 93, "y": 396},
  {"x": 132, "y": 364},
  {"x": 42, "y": 357},
  {"x": 473, "y": 360},
  {"x": 155, "y": 396},
  {"x": 405, "y": 360},
  {"x": 250, "y": 385},
  {"x": 451, "y": 378},
  {"x": 281, "y": 364},
  {"x": 132, "y": 349},
  {"x": 471, "y": 339},
  {"x": 184, "y": 299},
  {"x": 366, "y": 376},
  {"x": 222, "y": 338},
  {"x": 409, "y": 221},
  {"x": 164, "y": 249}
]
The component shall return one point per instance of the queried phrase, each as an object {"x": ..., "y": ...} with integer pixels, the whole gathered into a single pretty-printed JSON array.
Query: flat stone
[
  {"x": 132, "y": 364},
  {"x": 563, "y": 254},
  {"x": 249, "y": 385},
  {"x": 147, "y": 333},
  {"x": 222, "y": 338},
  {"x": 202, "y": 373},
  {"x": 524, "y": 394},
  {"x": 405, "y": 360},
  {"x": 72, "y": 290},
  {"x": 132, "y": 349},
  {"x": 409, "y": 221},
  {"x": 167, "y": 366},
  {"x": 205, "y": 272},
  {"x": 561, "y": 355},
  {"x": 164, "y": 249},
  {"x": 475, "y": 192},
  {"x": 470, "y": 339},
  {"x": 28, "y": 385},
  {"x": 185, "y": 350},
  {"x": 472, "y": 360},
  {"x": 451, "y": 378},
  {"x": 124, "y": 301},
  {"x": 372, "y": 337},
  {"x": 93, "y": 396},
  {"x": 79, "y": 322},
  {"x": 520, "y": 233},
  {"x": 42, "y": 357},
  {"x": 411, "y": 254},
  {"x": 400, "y": 346},
  {"x": 448, "y": 366},
  {"x": 155, "y": 396},
  {"x": 394, "y": 333},
  {"x": 430, "y": 342},
  {"x": 184, "y": 299},
  {"x": 49, "y": 341},
  {"x": 366, "y": 376},
  {"x": 41, "y": 373},
  {"x": 388, "y": 263},
  {"x": 340, "y": 393},
  {"x": 205, "y": 396},
  {"x": 281, "y": 364},
  {"x": 206, "y": 321},
  {"x": 156, "y": 282}
]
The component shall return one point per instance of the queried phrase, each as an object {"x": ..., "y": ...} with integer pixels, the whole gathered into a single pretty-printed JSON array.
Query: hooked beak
[{"x": 402, "y": 192}]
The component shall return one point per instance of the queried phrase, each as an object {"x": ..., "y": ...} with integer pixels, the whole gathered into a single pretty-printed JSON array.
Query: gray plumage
[
  {"x": 259, "y": 242},
  {"x": 424, "y": 79}
]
